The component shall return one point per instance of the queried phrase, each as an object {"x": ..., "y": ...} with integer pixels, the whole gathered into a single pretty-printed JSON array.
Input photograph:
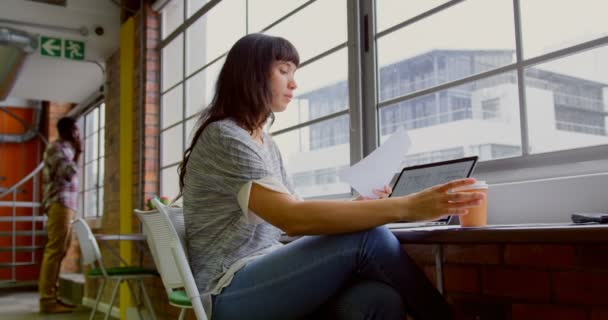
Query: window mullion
[
  {"x": 355, "y": 81},
  {"x": 521, "y": 84},
  {"x": 369, "y": 114}
]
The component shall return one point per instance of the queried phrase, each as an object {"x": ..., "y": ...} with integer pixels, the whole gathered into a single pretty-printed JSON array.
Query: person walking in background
[{"x": 60, "y": 199}]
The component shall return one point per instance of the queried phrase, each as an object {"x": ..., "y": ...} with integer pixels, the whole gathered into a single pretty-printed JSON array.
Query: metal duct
[
  {"x": 14, "y": 46},
  {"x": 19, "y": 39},
  {"x": 32, "y": 130}
]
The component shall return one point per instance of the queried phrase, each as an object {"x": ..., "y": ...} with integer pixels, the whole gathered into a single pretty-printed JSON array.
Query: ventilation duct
[
  {"x": 14, "y": 47},
  {"x": 31, "y": 129}
]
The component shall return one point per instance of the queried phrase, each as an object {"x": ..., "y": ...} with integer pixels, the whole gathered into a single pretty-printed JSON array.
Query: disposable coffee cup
[{"x": 477, "y": 216}]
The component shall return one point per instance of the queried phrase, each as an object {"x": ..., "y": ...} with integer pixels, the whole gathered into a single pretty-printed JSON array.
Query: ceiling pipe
[
  {"x": 32, "y": 130},
  {"x": 19, "y": 39}
]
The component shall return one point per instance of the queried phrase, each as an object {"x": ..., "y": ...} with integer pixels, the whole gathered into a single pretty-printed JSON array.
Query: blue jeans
[{"x": 363, "y": 275}]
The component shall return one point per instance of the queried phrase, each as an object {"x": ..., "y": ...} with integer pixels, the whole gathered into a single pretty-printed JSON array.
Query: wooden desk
[{"x": 557, "y": 233}]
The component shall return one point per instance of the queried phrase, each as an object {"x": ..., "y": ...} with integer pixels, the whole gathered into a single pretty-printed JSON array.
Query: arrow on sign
[{"x": 52, "y": 47}]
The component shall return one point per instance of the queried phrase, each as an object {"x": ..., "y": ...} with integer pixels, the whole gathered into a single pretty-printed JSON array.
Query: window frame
[
  {"x": 98, "y": 161},
  {"x": 364, "y": 105}
]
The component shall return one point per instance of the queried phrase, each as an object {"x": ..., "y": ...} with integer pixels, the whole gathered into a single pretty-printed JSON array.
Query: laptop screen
[{"x": 417, "y": 178}]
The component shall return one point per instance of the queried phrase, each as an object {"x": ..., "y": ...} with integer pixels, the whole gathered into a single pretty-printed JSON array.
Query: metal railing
[{"x": 17, "y": 224}]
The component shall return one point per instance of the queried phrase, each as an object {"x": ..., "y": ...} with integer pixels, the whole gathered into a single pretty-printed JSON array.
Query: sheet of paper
[{"x": 378, "y": 168}]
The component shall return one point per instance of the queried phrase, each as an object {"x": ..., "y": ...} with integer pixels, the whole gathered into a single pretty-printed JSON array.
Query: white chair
[
  {"x": 91, "y": 255},
  {"x": 169, "y": 256}
]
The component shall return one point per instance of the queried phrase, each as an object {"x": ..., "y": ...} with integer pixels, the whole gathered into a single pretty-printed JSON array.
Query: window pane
[
  {"x": 312, "y": 38},
  {"x": 90, "y": 171},
  {"x": 172, "y": 60},
  {"x": 473, "y": 43},
  {"x": 314, "y": 155},
  {"x": 262, "y": 13},
  {"x": 100, "y": 201},
  {"x": 172, "y": 106},
  {"x": 317, "y": 96},
  {"x": 91, "y": 122},
  {"x": 190, "y": 127},
  {"x": 201, "y": 87},
  {"x": 569, "y": 23},
  {"x": 81, "y": 204},
  {"x": 567, "y": 101},
  {"x": 102, "y": 115},
  {"x": 194, "y": 5},
  {"x": 459, "y": 121},
  {"x": 102, "y": 147},
  {"x": 392, "y": 12},
  {"x": 101, "y": 171},
  {"x": 171, "y": 142},
  {"x": 90, "y": 203},
  {"x": 169, "y": 183},
  {"x": 172, "y": 16},
  {"x": 214, "y": 33},
  {"x": 90, "y": 151}
]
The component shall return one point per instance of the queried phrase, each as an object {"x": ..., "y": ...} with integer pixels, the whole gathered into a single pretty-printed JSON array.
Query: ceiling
[{"x": 60, "y": 79}]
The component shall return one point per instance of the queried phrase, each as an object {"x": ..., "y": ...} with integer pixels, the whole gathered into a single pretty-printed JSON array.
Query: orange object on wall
[{"x": 18, "y": 160}]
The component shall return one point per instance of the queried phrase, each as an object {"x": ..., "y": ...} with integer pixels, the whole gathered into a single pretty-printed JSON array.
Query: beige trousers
[{"x": 59, "y": 233}]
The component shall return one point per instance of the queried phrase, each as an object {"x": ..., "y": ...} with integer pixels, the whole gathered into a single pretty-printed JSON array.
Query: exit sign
[{"x": 61, "y": 48}]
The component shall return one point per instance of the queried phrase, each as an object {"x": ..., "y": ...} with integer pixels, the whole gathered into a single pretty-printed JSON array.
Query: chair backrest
[
  {"x": 89, "y": 248},
  {"x": 159, "y": 235},
  {"x": 176, "y": 216},
  {"x": 173, "y": 219}
]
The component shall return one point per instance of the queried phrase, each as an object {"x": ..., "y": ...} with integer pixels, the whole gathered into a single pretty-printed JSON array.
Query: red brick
[
  {"x": 151, "y": 131},
  {"x": 592, "y": 256},
  {"x": 524, "y": 284},
  {"x": 476, "y": 254},
  {"x": 580, "y": 287},
  {"x": 474, "y": 307},
  {"x": 461, "y": 279},
  {"x": 152, "y": 23},
  {"x": 152, "y": 65},
  {"x": 599, "y": 314},
  {"x": 545, "y": 311},
  {"x": 540, "y": 255}
]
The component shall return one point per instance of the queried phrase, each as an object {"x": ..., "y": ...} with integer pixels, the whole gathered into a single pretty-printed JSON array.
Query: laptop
[{"x": 417, "y": 178}]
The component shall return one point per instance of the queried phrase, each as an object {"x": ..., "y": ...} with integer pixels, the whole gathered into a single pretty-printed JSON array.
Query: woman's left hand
[{"x": 382, "y": 194}]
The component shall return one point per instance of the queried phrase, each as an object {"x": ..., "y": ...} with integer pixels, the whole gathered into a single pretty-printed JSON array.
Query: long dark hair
[{"x": 242, "y": 90}]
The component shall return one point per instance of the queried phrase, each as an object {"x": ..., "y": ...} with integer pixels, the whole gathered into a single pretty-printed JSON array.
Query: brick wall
[
  {"x": 522, "y": 282},
  {"x": 150, "y": 148}
]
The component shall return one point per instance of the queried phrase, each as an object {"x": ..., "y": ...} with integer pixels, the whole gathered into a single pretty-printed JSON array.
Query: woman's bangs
[{"x": 285, "y": 51}]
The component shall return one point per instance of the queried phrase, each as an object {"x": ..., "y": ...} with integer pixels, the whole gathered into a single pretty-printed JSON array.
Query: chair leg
[
  {"x": 99, "y": 293},
  {"x": 114, "y": 292},
  {"x": 182, "y": 314},
  {"x": 147, "y": 299},
  {"x": 135, "y": 299}
]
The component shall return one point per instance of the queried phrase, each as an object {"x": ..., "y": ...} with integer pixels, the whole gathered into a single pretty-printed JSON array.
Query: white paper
[{"x": 377, "y": 169}]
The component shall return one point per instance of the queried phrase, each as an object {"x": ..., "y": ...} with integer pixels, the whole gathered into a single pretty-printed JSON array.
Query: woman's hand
[
  {"x": 381, "y": 193},
  {"x": 437, "y": 201}
]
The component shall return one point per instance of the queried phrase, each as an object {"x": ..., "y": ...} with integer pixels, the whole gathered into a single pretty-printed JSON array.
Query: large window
[
  {"x": 494, "y": 78},
  {"x": 315, "y": 123},
  {"x": 457, "y": 78},
  {"x": 92, "y": 126}
]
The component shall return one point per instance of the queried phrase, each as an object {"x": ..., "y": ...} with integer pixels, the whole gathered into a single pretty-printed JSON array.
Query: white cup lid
[{"x": 479, "y": 184}]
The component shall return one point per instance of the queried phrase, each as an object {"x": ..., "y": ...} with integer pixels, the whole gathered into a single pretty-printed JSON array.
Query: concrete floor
[{"x": 22, "y": 304}]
